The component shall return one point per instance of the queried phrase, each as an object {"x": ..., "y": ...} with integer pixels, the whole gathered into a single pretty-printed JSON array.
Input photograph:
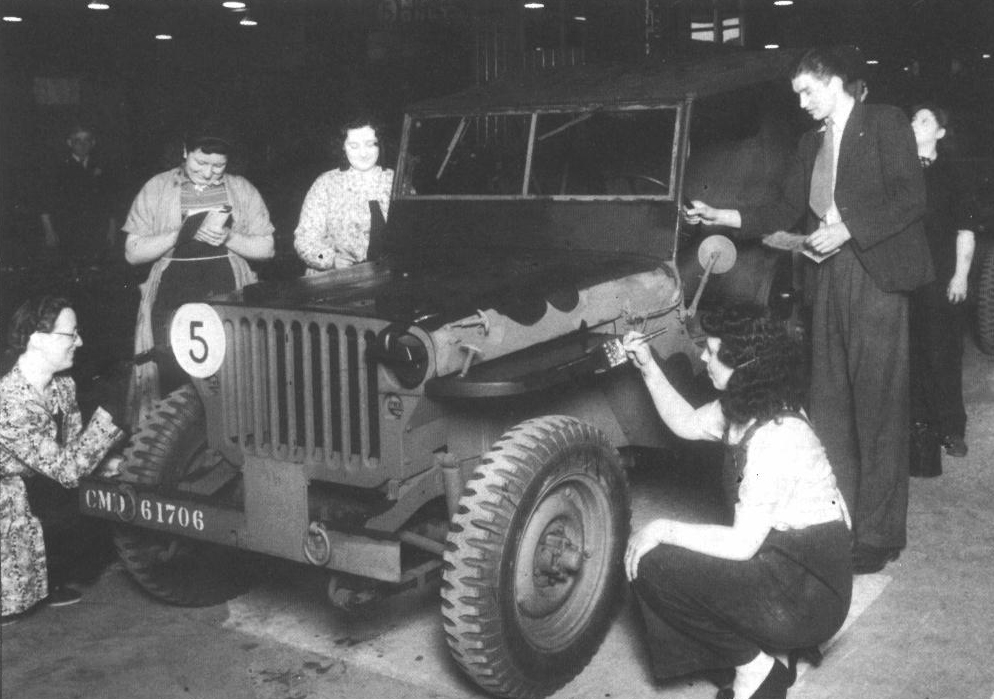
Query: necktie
[{"x": 822, "y": 190}]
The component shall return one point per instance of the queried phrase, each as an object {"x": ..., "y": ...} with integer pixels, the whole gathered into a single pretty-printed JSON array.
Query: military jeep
[{"x": 455, "y": 410}]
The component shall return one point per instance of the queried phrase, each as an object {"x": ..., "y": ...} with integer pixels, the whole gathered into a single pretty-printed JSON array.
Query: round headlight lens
[{"x": 403, "y": 354}]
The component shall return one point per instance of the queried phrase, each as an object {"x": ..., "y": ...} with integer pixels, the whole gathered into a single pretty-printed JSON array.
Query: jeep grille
[{"x": 299, "y": 389}]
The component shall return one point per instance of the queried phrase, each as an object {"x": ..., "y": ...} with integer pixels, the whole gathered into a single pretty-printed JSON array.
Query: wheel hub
[
  {"x": 557, "y": 557},
  {"x": 551, "y": 555}
]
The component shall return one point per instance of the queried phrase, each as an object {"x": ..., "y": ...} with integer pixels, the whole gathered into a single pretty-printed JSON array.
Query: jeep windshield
[
  {"x": 595, "y": 153},
  {"x": 557, "y": 162}
]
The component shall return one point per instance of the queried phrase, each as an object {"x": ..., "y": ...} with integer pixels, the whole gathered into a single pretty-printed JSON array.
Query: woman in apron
[{"x": 199, "y": 225}]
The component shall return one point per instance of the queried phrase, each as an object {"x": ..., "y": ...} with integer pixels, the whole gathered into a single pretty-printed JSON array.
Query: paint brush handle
[
  {"x": 655, "y": 333},
  {"x": 614, "y": 350}
]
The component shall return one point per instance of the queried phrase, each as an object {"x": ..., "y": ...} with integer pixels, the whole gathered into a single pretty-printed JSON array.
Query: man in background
[{"x": 77, "y": 214}]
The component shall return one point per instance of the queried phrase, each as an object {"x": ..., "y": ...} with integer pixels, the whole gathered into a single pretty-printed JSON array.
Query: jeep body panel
[{"x": 532, "y": 220}]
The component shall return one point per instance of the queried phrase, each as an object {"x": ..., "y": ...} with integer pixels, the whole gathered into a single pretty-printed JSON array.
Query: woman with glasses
[{"x": 41, "y": 434}]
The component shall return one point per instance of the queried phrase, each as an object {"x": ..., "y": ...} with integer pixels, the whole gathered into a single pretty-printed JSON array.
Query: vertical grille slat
[
  {"x": 308, "y": 388},
  {"x": 273, "y": 402},
  {"x": 289, "y": 387},
  {"x": 301, "y": 389},
  {"x": 233, "y": 392},
  {"x": 344, "y": 386},
  {"x": 229, "y": 386},
  {"x": 327, "y": 386},
  {"x": 257, "y": 348},
  {"x": 363, "y": 373}
]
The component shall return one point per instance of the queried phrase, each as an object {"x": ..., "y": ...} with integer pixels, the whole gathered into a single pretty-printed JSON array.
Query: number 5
[{"x": 197, "y": 339}]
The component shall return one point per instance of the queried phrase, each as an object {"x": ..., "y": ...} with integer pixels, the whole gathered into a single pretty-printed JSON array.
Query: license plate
[{"x": 122, "y": 501}]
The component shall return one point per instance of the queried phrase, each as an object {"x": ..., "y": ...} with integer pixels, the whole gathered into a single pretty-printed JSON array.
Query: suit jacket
[{"x": 879, "y": 191}]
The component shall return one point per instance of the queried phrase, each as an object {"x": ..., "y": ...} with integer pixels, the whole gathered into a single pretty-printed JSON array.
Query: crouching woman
[
  {"x": 779, "y": 578},
  {"x": 41, "y": 435}
]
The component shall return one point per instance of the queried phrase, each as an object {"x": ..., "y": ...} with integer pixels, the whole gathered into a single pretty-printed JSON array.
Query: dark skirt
[
  {"x": 706, "y": 613},
  {"x": 184, "y": 281}
]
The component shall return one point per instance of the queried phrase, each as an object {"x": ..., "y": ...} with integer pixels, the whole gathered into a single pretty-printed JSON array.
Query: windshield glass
[{"x": 582, "y": 154}]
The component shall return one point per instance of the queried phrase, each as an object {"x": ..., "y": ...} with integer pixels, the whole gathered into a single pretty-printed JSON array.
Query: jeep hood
[{"x": 442, "y": 285}]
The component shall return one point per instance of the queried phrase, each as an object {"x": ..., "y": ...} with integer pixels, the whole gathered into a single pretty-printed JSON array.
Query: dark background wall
[{"x": 284, "y": 85}]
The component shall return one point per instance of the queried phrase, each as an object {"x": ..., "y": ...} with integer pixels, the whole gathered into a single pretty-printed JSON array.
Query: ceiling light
[
  {"x": 12, "y": 18},
  {"x": 579, "y": 18},
  {"x": 534, "y": 5},
  {"x": 98, "y": 6},
  {"x": 872, "y": 62},
  {"x": 233, "y": 5},
  {"x": 985, "y": 55},
  {"x": 248, "y": 22},
  {"x": 783, "y": 3},
  {"x": 164, "y": 37},
  {"x": 772, "y": 46}
]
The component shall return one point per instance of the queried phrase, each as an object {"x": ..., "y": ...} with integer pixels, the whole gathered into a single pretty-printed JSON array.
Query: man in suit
[{"x": 855, "y": 186}]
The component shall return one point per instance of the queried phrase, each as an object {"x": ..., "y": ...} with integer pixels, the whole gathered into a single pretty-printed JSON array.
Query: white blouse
[{"x": 787, "y": 473}]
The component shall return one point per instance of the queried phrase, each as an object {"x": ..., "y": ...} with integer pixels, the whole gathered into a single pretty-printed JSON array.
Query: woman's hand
[
  {"x": 212, "y": 236},
  {"x": 110, "y": 467},
  {"x": 641, "y": 542},
  {"x": 956, "y": 291},
  {"x": 637, "y": 349},
  {"x": 213, "y": 230}
]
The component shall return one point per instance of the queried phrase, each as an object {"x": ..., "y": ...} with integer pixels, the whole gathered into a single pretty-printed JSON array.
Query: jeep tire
[
  {"x": 170, "y": 445},
  {"x": 533, "y": 563}
]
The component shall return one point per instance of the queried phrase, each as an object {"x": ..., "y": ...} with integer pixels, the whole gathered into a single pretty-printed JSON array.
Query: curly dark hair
[
  {"x": 37, "y": 314},
  {"x": 767, "y": 363},
  {"x": 358, "y": 122}
]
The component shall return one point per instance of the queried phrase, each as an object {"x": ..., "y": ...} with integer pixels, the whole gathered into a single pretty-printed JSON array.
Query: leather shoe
[
  {"x": 773, "y": 687},
  {"x": 872, "y": 559},
  {"x": 63, "y": 596},
  {"x": 954, "y": 445}
]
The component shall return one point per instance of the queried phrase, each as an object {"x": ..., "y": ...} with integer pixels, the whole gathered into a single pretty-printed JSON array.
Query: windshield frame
[{"x": 581, "y": 113}]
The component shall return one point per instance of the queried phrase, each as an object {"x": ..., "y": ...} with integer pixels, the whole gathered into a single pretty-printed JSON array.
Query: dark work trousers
[
  {"x": 937, "y": 328},
  {"x": 860, "y": 402},
  {"x": 708, "y": 613}
]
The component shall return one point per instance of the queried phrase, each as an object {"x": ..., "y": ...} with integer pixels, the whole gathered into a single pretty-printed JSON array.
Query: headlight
[{"x": 403, "y": 354}]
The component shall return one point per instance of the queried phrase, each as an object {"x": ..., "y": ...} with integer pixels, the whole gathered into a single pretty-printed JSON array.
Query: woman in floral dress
[
  {"x": 345, "y": 210},
  {"x": 41, "y": 434}
]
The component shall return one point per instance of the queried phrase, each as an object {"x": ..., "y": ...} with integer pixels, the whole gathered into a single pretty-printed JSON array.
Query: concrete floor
[{"x": 923, "y": 628}]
